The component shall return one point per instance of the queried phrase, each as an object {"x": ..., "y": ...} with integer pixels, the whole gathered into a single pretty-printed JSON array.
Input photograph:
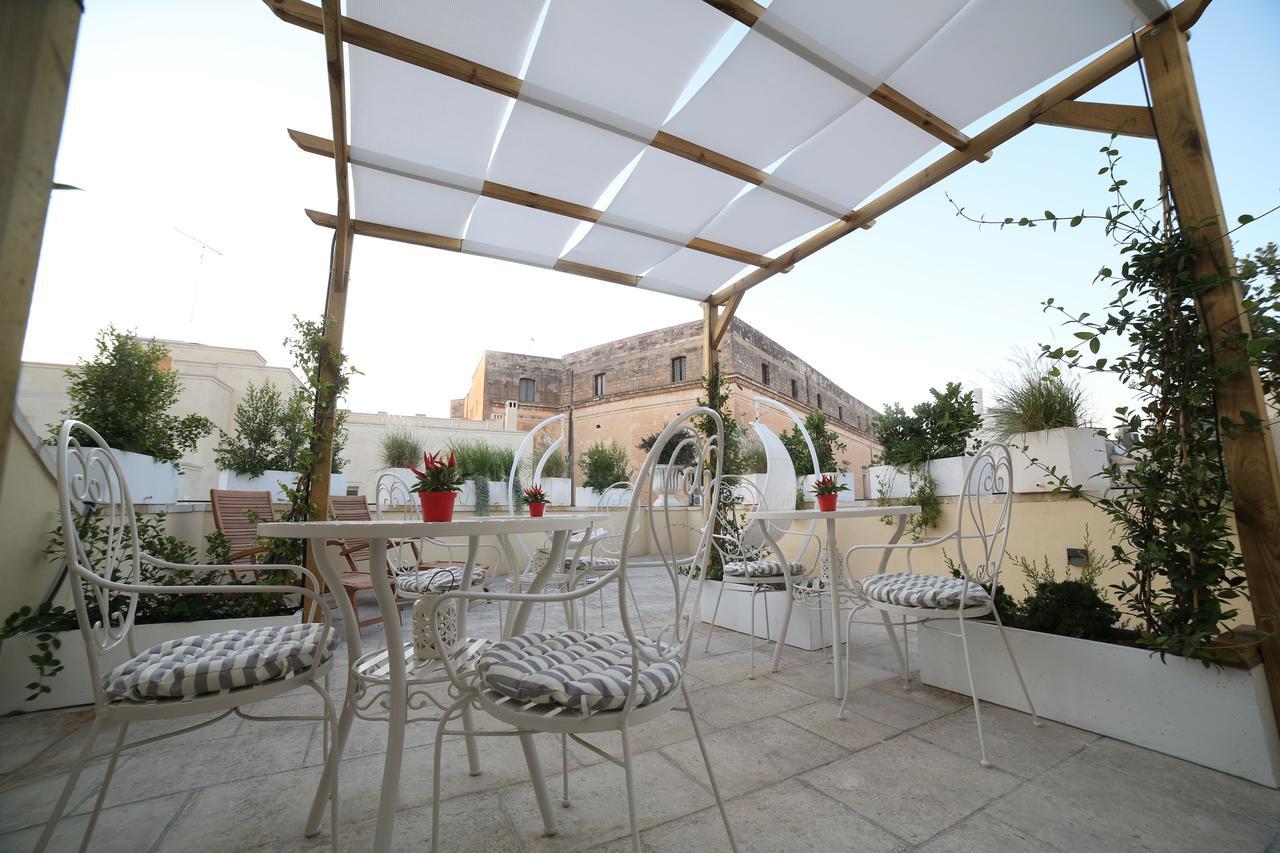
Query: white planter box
[
  {"x": 557, "y": 489},
  {"x": 948, "y": 473},
  {"x": 1076, "y": 452},
  {"x": 1218, "y": 717},
  {"x": 274, "y": 481},
  {"x": 72, "y": 685},
  {"x": 808, "y": 630},
  {"x": 590, "y": 499}
]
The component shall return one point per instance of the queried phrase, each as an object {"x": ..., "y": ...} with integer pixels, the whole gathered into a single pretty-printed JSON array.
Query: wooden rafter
[
  {"x": 453, "y": 244},
  {"x": 1123, "y": 119},
  {"x": 360, "y": 34},
  {"x": 749, "y": 12},
  {"x": 319, "y": 145},
  {"x": 1110, "y": 63}
]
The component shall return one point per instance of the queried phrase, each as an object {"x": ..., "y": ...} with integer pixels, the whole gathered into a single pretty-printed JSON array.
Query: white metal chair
[
  {"x": 576, "y": 683},
  {"x": 189, "y": 677},
  {"x": 918, "y": 599}
]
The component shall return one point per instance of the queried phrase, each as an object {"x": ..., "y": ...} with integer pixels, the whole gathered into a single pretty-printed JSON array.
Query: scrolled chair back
[
  {"x": 986, "y": 505},
  {"x": 92, "y": 489},
  {"x": 731, "y": 538},
  {"x": 671, "y": 639}
]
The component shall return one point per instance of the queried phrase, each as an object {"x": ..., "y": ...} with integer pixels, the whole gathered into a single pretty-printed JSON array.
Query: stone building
[{"x": 629, "y": 388}]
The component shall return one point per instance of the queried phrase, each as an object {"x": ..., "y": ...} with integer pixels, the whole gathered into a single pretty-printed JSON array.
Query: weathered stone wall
[{"x": 638, "y": 363}]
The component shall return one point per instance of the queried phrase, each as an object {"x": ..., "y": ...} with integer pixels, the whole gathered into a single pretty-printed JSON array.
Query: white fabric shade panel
[{"x": 599, "y": 79}]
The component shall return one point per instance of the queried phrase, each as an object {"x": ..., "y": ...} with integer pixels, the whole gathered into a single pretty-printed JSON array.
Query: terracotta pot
[
  {"x": 536, "y": 508},
  {"x": 437, "y": 506},
  {"x": 827, "y": 503}
]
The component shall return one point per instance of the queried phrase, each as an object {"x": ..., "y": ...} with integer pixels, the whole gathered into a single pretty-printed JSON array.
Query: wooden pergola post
[
  {"x": 340, "y": 264},
  {"x": 1249, "y": 452},
  {"x": 37, "y": 42}
]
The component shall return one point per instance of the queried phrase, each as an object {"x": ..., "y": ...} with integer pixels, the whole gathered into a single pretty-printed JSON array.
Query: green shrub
[
  {"x": 1069, "y": 608},
  {"x": 555, "y": 466},
  {"x": 604, "y": 464},
  {"x": 475, "y": 458},
  {"x": 688, "y": 454},
  {"x": 1032, "y": 400},
  {"x": 271, "y": 433},
  {"x": 753, "y": 459},
  {"x": 400, "y": 448},
  {"x": 825, "y": 443},
  {"x": 125, "y": 395}
]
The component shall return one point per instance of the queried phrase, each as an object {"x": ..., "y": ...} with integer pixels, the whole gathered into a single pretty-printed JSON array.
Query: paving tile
[
  {"x": 1083, "y": 807},
  {"x": 741, "y": 702},
  {"x": 818, "y": 678},
  {"x": 28, "y": 802},
  {"x": 671, "y": 727},
  {"x": 910, "y": 787},
  {"x": 982, "y": 834},
  {"x": 1013, "y": 743},
  {"x": 854, "y": 732},
  {"x": 755, "y": 754},
  {"x": 123, "y": 829},
  {"x": 24, "y": 738},
  {"x": 923, "y": 694},
  {"x": 599, "y": 811},
  {"x": 890, "y": 709},
  {"x": 786, "y": 816}
]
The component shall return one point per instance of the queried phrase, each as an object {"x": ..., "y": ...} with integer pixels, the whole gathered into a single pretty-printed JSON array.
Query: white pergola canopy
[{"x": 668, "y": 144}]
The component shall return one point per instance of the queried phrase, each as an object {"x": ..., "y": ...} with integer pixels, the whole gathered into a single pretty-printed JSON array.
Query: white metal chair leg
[
  {"x": 848, "y": 635},
  {"x": 897, "y": 649},
  {"x": 473, "y": 754},
  {"x": 564, "y": 769},
  {"x": 973, "y": 691},
  {"x": 328, "y": 779},
  {"x": 61, "y": 806},
  {"x": 1035, "y": 718},
  {"x": 714, "y": 611},
  {"x": 437, "y": 775},
  {"x": 782, "y": 637},
  {"x": 906, "y": 653},
  {"x": 706, "y": 760},
  {"x": 539, "y": 782},
  {"x": 631, "y": 789},
  {"x": 102, "y": 789},
  {"x": 751, "y": 665}
]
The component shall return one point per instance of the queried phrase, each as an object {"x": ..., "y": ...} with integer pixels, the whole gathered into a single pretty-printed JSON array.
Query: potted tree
[
  {"x": 437, "y": 486},
  {"x": 603, "y": 464},
  {"x": 126, "y": 394},
  {"x": 828, "y": 489},
  {"x": 536, "y": 499}
]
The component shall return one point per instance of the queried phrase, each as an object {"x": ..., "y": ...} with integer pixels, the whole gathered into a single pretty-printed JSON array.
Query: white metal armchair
[
  {"x": 211, "y": 674},
  {"x": 576, "y": 683},
  {"x": 917, "y": 598}
]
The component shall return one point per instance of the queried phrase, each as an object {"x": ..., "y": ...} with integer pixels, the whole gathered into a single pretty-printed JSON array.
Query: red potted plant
[
  {"x": 535, "y": 499},
  {"x": 827, "y": 488},
  {"x": 437, "y": 486}
]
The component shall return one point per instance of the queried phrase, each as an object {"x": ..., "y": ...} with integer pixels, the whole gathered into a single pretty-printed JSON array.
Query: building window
[
  {"x": 840, "y": 415},
  {"x": 526, "y": 390},
  {"x": 764, "y": 374},
  {"x": 819, "y": 402},
  {"x": 795, "y": 390},
  {"x": 677, "y": 368},
  {"x": 599, "y": 385}
]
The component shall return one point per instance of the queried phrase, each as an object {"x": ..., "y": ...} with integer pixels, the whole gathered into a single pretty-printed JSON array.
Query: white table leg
[
  {"x": 836, "y": 580},
  {"x": 519, "y": 616},
  {"x": 397, "y": 696}
]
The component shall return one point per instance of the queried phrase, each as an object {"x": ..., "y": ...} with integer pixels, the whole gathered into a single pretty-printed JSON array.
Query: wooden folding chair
[{"x": 236, "y": 516}]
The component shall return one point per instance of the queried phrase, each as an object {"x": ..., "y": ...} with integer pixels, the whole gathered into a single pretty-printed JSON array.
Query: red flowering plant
[
  {"x": 534, "y": 495},
  {"x": 828, "y": 485},
  {"x": 438, "y": 474}
]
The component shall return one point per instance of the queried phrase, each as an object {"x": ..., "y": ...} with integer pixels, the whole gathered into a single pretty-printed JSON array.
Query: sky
[{"x": 190, "y": 226}]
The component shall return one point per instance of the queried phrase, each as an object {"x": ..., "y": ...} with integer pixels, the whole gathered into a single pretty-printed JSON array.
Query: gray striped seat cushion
[
  {"x": 583, "y": 671},
  {"x": 762, "y": 569},
  {"x": 436, "y": 580},
  {"x": 214, "y": 663},
  {"x": 912, "y": 590},
  {"x": 588, "y": 562}
]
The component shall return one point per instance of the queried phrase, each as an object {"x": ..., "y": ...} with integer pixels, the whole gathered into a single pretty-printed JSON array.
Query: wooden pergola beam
[
  {"x": 313, "y": 144},
  {"x": 37, "y": 43},
  {"x": 1249, "y": 453},
  {"x": 1123, "y": 119},
  {"x": 453, "y": 244},
  {"x": 1104, "y": 67},
  {"x": 749, "y": 12},
  {"x": 386, "y": 43}
]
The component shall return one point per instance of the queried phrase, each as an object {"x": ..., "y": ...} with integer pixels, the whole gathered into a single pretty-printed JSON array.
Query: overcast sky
[{"x": 190, "y": 226}]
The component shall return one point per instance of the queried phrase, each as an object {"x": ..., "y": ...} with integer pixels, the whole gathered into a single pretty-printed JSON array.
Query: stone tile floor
[{"x": 901, "y": 773}]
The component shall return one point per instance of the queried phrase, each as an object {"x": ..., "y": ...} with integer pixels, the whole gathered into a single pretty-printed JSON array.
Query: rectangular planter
[
  {"x": 149, "y": 481},
  {"x": 1076, "y": 452},
  {"x": 806, "y": 631},
  {"x": 274, "y": 481},
  {"x": 1217, "y": 717},
  {"x": 889, "y": 482},
  {"x": 72, "y": 685},
  {"x": 846, "y": 497}
]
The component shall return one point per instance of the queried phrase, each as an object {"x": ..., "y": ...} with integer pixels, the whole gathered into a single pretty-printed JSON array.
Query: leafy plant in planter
[
  {"x": 825, "y": 442},
  {"x": 687, "y": 452},
  {"x": 399, "y": 448},
  {"x": 1032, "y": 399},
  {"x": 753, "y": 459},
  {"x": 935, "y": 429},
  {"x": 271, "y": 433},
  {"x": 603, "y": 464},
  {"x": 126, "y": 395},
  {"x": 1171, "y": 506}
]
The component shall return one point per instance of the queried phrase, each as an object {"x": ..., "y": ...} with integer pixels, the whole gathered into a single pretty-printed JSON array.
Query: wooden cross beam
[
  {"x": 319, "y": 145},
  {"x": 1104, "y": 67},
  {"x": 1105, "y": 118}
]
